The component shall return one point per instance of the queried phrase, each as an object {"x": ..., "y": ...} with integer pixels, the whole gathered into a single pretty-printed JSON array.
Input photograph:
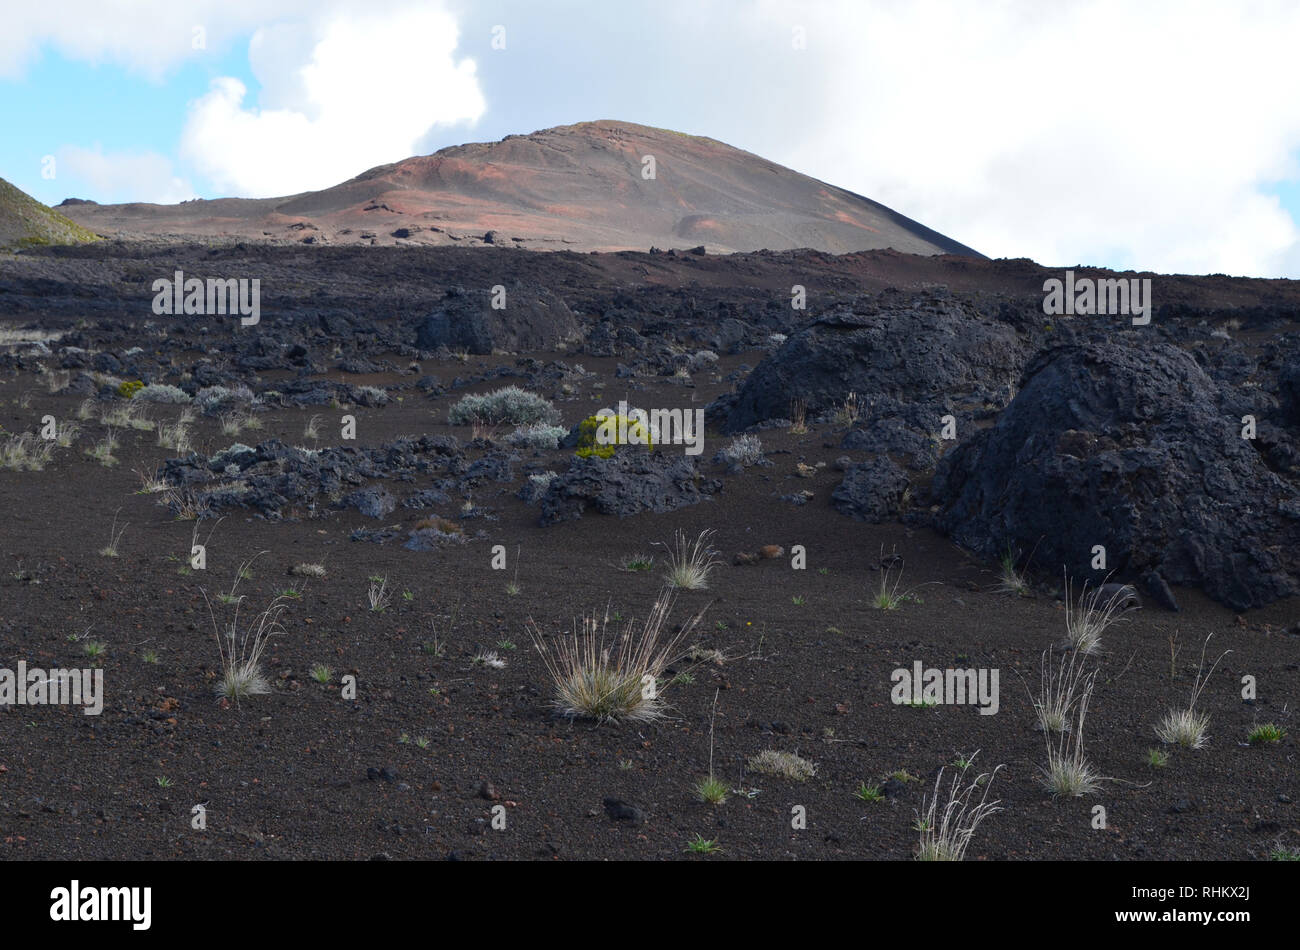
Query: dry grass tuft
[{"x": 613, "y": 678}]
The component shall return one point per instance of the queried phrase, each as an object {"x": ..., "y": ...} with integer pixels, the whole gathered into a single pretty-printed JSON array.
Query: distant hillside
[
  {"x": 584, "y": 187},
  {"x": 24, "y": 222}
]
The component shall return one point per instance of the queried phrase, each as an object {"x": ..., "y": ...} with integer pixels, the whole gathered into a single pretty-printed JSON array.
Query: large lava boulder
[
  {"x": 532, "y": 319},
  {"x": 871, "y": 491},
  {"x": 627, "y": 483},
  {"x": 1137, "y": 449},
  {"x": 929, "y": 354}
]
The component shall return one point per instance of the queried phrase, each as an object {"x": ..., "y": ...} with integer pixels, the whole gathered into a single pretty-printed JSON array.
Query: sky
[{"x": 1159, "y": 136}]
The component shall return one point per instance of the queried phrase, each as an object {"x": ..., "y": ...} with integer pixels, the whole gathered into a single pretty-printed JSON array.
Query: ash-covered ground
[{"x": 919, "y": 426}]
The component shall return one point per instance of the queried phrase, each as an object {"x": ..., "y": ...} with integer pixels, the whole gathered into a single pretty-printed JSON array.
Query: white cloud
[
  {"x": 143, "y": 36},
  {"x": 121, "y": 176},
  {"x": 1068, "y": 132},
  {"x": 340, "y": 95}
]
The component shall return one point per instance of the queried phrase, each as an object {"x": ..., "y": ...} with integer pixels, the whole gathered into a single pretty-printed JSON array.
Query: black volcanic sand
[{"x": 289, "y": 774}]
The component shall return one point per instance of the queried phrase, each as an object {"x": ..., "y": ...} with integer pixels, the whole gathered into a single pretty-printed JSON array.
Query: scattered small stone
[{"x": 619, "y": 810}]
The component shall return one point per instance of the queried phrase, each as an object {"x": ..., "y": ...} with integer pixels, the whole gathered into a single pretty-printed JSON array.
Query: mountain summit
[{"x": 602, "y": 186}]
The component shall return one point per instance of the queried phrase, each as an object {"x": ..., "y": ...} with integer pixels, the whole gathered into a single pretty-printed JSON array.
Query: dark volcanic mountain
[{"x": 577, "y": 187}]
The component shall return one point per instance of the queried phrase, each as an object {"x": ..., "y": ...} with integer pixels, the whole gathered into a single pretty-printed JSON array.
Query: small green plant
[
  {"x": 1157, "y": 758},
  {"x": 712, "y": 790},
  {"x": 94, "y": 648},
  {"x": 129, "y": 388},
  {"x": 869, "y": 793},
  {"x": 701, "y": 845},
  {"x": 798, "y": 600},
  {"x": 683, "y": 679},
  {"x": 506, "y": 645},
  {"x": 321, "y": 673},
  {"x": 422, "y": 742},
  {"x": 164, "y": 782},
  {"x": 407, "y": 596},
  {"x": 291, "y": 593},
  {"x": 638, "y": 562},
  {"x": 1283, "y": 853},
  {"x": 150, "y": 656},
  {"x": 1263, "y": 735}
]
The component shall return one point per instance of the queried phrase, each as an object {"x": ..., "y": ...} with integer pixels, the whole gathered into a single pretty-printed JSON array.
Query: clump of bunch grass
[
  {"x": 25, "y": 453},
  {"x": 102, "y": 451},
  {"x": 1088, "y": 619},
  {"x": 378, "y": 595},
  {"x": 637, "y": 562},
  {"x": 1187, "y": 727},
  {"x": 888, "y": 596},
  {"x": 782, "y": 765},
  {"x": 1059, "y": 691},
  {"x": 613, "y": 678},
  {"x": 242, "y": 649},
  {"x": 1011, "y": 580},
  {"x": 798, "y": 416},
  {"x": 690, "y": 561},
  {"x": 945, "y": 835},
  {"x": 114, "y": 537},
  {"x": 1068, "y": 773}
]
